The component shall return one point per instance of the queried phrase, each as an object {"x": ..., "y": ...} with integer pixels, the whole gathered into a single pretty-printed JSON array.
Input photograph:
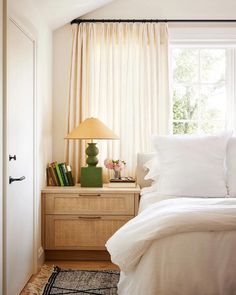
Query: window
[{"x": 201, "y": 88}]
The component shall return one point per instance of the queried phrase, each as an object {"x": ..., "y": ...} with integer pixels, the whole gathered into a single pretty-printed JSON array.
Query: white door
[{"x": 20, "y": 142}]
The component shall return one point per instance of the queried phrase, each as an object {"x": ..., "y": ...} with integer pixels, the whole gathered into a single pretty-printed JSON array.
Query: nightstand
[{"x": 78, "y": 218}]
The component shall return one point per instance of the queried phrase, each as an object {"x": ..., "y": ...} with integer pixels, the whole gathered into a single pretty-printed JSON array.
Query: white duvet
[{"x": 194, "y": 227}]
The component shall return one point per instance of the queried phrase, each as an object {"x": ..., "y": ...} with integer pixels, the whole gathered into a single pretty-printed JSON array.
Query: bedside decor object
[
  {"x": 91, "y": 128},
  {"x": 59, "y": 174},
  {"x": 122, "y": 182},
  {"x": 116, "y": 165}
]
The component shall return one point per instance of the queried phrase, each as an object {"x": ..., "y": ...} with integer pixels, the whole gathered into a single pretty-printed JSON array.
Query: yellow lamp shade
[{"x": 92, "y": 128}]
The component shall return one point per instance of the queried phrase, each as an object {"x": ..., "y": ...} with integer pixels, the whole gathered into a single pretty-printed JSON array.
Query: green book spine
[
  {"x": 69, "y": 175},
  {"x": 70, "y": 178},
  {"x": 62, "y": 174},
  {"x": 54, "y": 173},
  {"x": 59, "y": 174},
  {"x": 63, "y": 166}
]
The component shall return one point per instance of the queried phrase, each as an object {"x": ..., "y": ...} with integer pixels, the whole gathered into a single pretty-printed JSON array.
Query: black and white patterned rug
[{"x": 81, "y": 282}]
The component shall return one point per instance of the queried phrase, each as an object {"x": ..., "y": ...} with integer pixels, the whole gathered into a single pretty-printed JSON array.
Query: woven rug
[{"x": 81, "y": 282}]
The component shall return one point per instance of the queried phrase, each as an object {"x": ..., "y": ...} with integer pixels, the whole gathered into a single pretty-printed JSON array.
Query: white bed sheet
[
  {"x": 201, "y": 263},
  {"x": 193, "y": 263},
  {"x": 149, "y": 197}
]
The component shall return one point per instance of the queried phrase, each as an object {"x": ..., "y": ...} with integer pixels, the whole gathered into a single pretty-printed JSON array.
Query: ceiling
[
  {"x": 55, "y": 13},
  {"x": 200, "y": 9},
  {"x": 59, "y": 12}
]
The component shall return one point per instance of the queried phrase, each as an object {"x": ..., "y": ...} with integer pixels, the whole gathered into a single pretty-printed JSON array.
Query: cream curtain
[{"x": 119, "y": 74}]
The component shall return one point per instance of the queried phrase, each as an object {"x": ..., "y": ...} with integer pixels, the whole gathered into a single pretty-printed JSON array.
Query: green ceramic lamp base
[
  {"x": 91, "y": 176},
  {"x": 92, "y": 152}
]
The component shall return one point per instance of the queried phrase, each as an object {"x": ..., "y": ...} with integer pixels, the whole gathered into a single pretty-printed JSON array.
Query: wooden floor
[
  {"x": 83, "y": 264},
  {"x": 80, "y": 265}
]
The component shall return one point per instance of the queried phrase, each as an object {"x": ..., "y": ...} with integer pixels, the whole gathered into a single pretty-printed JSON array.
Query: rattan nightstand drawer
[
  {"x": 90, "y": 203},
  {"x": 80, "y": 232}
]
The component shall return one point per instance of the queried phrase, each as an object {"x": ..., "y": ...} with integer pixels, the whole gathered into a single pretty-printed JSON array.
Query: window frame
[{"x": 230, "y": 46}]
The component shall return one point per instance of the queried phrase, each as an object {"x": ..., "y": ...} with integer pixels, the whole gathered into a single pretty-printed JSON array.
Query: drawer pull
[
  {"x": 89, "y": 195},
  {"x": 90, "y": 217}
]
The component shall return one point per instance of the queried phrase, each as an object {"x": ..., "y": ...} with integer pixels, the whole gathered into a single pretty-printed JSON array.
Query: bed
[{"x": 176, "y": 245}]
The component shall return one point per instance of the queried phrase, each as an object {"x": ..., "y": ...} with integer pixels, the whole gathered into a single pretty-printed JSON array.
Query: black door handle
[
  {"x": 16, "y": 179},
  {"x": 12, "y": 157}
]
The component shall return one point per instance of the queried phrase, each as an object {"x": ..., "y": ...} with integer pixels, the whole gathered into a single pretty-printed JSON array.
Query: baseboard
[
  {"x": 78, "y": 255},
  {"x": 41, "y": 258}
]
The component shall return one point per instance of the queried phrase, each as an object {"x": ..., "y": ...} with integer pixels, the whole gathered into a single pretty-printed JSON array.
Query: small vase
[{"x": 117, "y": 174}]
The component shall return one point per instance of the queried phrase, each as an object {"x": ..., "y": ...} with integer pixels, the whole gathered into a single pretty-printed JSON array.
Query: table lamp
[{"x": 91, "y": 128}]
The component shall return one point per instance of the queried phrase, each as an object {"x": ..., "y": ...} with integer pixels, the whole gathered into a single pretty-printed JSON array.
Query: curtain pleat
[{"x": 119, "y": 74}]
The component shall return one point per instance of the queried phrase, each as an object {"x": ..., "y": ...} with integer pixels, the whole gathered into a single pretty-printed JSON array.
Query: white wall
[
  {"x": 62, "y": 39},
  {"x": 1, "y": 146},
  {"x": 27, "y": 15}
]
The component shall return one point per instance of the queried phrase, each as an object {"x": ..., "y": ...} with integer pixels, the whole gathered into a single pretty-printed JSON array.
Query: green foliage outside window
[{"x": 199, "y": 92}]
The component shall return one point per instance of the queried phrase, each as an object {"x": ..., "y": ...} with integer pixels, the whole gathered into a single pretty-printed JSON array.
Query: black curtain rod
[{"x": 79, "y": 20}]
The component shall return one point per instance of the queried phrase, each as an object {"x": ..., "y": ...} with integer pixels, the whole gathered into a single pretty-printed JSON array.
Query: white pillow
[
  {"x": 231, "y": 166},
  {"x": 142, "y": 158},
  {"x": 191, "y": 166},
  {"x": 153, "y": 169}
]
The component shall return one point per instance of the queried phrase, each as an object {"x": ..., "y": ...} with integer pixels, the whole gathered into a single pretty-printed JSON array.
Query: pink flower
[
  {"x": 116, "y": 165},
  {"x": 109, "y": 164}
]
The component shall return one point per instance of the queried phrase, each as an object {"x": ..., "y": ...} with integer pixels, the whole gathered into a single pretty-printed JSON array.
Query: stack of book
[
  {"x": 122, "y": 182},
  {"x": 59, "y": 174}
]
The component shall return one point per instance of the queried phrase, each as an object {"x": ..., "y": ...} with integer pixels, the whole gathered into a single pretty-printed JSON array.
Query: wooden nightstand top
[{"x": 78, "y": 189}]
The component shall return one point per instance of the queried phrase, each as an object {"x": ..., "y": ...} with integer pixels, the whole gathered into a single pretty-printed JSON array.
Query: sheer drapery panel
[{"x": 119, "y": 74}]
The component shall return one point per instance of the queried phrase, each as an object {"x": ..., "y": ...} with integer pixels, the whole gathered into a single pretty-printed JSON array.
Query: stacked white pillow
[
  {"x": 190, "y": 166},
  {"x": 153, "y": 169}
]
